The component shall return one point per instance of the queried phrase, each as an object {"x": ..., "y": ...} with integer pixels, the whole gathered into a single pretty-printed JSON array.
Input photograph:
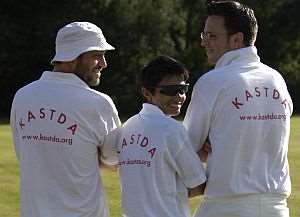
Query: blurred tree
[
  {"x": 143, "y": 29},
  {"x": 140, "y": 30},
  {"x": 27, "y": 40},
  {"x": 284, "y": 46},
  {"x": 279, "y": 39}
]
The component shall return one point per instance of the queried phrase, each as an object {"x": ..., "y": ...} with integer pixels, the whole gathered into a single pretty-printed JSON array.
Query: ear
[
  {"x": 237, "y": 40},
  {"x": 73, "y": 64},
  {"x": 147, "y": 94}
]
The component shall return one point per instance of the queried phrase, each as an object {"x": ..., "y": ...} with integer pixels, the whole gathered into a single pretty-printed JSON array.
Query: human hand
[
  {"x": 204, "y": 151},
  {"x": 199, "y": 190}
]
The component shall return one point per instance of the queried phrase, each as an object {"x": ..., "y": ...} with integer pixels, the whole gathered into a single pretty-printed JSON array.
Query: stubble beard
[{"x": 90, "y": 81}]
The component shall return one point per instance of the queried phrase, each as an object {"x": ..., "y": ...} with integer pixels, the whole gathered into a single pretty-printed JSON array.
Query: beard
[{"x": 87, "y": 76}]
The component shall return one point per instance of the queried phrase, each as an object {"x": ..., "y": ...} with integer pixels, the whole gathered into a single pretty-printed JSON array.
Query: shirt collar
[
  {"x": 62, "y": 77},
  {"x": 150, "y": 109},
  {"x": 246, "y": 54}
]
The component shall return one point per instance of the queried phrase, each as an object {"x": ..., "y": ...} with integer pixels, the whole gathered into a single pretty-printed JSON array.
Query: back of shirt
[
  {"x": 58, "y": 124},
  {"x": 251, "y": 122},
  {"x": 157, "y": 164},
  {"x": 245, "y": 110}
]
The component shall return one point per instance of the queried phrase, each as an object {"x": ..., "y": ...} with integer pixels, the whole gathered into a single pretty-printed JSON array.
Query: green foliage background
[{"x": 140, "y": 30}]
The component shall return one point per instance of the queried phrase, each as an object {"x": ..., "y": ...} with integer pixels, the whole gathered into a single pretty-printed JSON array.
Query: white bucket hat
[{"x": 77, "y": 38}]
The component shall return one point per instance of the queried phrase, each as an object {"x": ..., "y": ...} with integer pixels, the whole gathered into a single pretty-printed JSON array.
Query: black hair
[
  {"x": 159, "y": 68},
  {"x": 237, "y": 18}
]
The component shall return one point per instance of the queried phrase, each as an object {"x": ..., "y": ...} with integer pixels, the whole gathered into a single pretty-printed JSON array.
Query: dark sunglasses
[{"x": 172, "y": 90}]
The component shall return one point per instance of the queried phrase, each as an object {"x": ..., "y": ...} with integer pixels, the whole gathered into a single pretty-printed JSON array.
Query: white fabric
[
  {"x": 77, "y": 38},
  {"x": 244, "y": 107},
  {"x": 157, "y": 165},
  {"x": 256, "y": 205},
  {"x": 58, "y": 123}
]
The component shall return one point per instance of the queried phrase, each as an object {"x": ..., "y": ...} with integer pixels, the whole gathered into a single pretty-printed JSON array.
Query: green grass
[
  {"x": 294, "y": 161},
  {"x": 9, "y": 177}
]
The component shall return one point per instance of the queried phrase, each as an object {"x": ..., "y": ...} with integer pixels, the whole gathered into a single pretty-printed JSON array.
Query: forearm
[
  {"x": 199, "y": 190},
  {"x": 106, "y": 166},
  {"x": 113, "y": 168}
]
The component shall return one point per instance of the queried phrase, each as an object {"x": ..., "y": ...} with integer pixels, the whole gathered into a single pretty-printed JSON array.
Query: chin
[
  {"x": 94, "y": 83},
  {"x": 211, "y": 61},
  {"x": 174, "y": 113}
]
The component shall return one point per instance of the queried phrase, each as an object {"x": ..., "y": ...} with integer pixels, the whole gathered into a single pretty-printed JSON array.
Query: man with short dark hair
[
  {"x": 59, "y": 125},
  {"x": 243, "y": 108}
]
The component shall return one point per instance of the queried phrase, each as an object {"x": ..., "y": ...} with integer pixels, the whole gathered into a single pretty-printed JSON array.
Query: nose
[
  {"x": 180, "y": 96},
  {"x": 203, "y": 42},
  {"x": 102, "y": 62}
]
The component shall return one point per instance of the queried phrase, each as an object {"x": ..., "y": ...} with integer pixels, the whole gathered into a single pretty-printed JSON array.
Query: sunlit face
[
  {"x": 170, "y": 105},
  {"x": 216, "y": 39},
  {"x": 89, "y": 66}
]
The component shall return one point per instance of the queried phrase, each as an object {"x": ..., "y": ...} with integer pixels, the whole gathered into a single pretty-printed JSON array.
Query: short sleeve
[
  {"x": 185, "y": 160},
  {"x": 14, "y": 129},
  {"x": 108, "y": 148}
]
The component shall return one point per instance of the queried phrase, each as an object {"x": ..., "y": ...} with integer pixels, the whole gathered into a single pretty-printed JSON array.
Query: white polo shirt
[
  {"x": 157, "y": 165},
  {"x": 244, "y": 107},
  {"x": 58, "y": 123}
]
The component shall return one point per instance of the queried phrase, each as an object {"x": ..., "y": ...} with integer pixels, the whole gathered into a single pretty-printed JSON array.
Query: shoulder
[
  {"x": 130, "y": 121},
  {"x": 102, "y": 97},
  {"x": 176, "y": 137},
  {"x": 26, "y": 90},
  {"x": 174, "y": 128},
  {"x": 272, "y": 71},
  {"x": 168, "y": 122},
  {"x": 99, "y": 98},
  {"x": 209, "y": 84},
  {"x": 210, "y": 77},
  {"x": 163, "y": 125}
]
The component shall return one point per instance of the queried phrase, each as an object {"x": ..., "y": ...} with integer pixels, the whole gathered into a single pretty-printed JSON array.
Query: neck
[{"x": 65, "y": 67}]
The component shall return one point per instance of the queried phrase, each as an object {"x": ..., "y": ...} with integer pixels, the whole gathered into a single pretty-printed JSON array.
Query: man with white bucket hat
[{"x": 59, "y": 123}]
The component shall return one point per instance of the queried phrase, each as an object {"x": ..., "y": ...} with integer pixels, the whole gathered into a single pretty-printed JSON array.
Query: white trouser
[{"x": 253, "y": 205}]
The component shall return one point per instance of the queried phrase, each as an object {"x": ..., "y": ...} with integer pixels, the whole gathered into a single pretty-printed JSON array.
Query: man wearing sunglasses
[
  {"x": 157, "y": 161},
  {"x": 244, "y": 108}
]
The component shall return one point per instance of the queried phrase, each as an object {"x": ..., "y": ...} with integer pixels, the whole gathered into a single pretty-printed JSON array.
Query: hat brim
[{"x": 67, "y": 56}]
